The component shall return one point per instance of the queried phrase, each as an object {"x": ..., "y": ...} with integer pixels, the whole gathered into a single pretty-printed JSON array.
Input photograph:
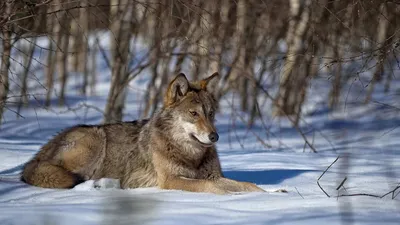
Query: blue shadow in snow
[
  {"x": 12, "y": 170},
  {"x": 264, "y": 176}
]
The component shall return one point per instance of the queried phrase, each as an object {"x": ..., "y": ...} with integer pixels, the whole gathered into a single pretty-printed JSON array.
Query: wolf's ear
[
  {"x": 210, "y": 83},
  {"x": 177, "y": 88}
]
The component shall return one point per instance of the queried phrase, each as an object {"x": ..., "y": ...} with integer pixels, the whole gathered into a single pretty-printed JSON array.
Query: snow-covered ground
[{"x": 367, "y": 134}]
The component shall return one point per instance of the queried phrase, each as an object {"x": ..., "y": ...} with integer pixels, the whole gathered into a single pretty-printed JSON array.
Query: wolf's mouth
[{"x": 202, "y": 143}]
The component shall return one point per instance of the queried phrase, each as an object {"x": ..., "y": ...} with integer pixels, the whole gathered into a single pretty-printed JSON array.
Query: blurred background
[{"x": 268, "y": 52}]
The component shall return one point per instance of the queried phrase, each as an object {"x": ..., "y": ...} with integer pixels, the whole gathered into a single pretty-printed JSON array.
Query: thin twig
[
  {"x": 369, "y": 195},
  {"x": 299, "y": 193},
  {"x": 323, "y": 175},
  {"x": 393, "y": 192},
  {"x": 341, "y": 183},
  {"x": 359, "y": 194},
  {"x": 287, "y": 116}
]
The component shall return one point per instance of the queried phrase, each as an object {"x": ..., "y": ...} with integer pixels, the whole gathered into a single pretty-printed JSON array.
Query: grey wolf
[{"x": 174, "y": 149}]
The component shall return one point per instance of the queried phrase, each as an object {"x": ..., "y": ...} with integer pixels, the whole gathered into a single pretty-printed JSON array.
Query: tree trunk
[
  {"x": 50, "y": 72},
  {"x": 83, "y": 53},
  {"x": 121, "y": 28},
  {"x": 389, "y": 78},
  {"x": 60, "y": 37},
  {"x": 197, "y": 41},
  {"x": 254, "y": 94},
  {"x": 62, "y": 63},
  {"x": 250, "y": 43},
  {"x": 382, "y": 40},
  {"x": 205, "y": 46},
  {"x": 187, "y": 46},
  {"x": 335, "y": 52},
  {"x": 289, "y": 89},
  {"x": 54, "y": 29},
  {"x": 219, "y": 38},
  {"x": 75, "y": 44},
  {"x": 5, "y": 60},
  {"x": 165, "y": 62},
  {"x": 235, "y": 74},
  {"x": 24, "y": 86},
  {"x": 337, "y": 77},
  {"x": 153, "y": 86},
  {"x": 219, "y": 45},
  {"x": 93, "y": 77}
]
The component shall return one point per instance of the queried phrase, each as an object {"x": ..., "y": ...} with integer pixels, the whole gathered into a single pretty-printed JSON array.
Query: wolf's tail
[{"x": 46, "y": 175}]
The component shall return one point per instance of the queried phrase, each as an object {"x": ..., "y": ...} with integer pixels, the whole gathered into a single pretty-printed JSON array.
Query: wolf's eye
[
  {"x": 193, "y": 113},
  {"x": 211, "y": 114}
]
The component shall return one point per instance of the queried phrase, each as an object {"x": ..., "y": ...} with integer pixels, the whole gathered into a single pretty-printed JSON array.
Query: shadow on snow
[{"x": 264, "y": 176}]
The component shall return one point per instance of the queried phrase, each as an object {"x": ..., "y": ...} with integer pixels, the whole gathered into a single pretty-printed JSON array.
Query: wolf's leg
[
  {"x": 193, "y": 185},
  {"x": 237, "y": 186},
  {"x": 82, "y": 152},
  {"x": 46, "y": 175},
  {"x": 217, "y": 186},
  {"x": 70, "y": 158}
]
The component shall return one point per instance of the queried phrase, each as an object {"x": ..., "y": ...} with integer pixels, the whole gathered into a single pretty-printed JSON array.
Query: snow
[{"x": 367, "y": 134}]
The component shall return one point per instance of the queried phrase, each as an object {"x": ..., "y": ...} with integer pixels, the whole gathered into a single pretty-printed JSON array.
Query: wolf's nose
[{"x": 213, "y": 137}]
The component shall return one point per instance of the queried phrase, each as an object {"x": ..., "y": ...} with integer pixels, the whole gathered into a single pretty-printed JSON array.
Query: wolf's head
[{"x": 192, "y": 107}]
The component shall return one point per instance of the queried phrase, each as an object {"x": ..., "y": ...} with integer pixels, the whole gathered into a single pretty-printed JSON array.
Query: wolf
[{"x": 174, "y": 149}]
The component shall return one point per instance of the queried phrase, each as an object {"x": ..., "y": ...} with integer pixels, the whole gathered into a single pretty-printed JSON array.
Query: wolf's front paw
[
  {"x": 250, "y": 187},
  {"x": 236, "y": 186}
]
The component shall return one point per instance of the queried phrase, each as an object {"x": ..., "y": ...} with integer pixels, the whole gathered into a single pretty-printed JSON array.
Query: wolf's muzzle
[{"x": 213, "y": 137}]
